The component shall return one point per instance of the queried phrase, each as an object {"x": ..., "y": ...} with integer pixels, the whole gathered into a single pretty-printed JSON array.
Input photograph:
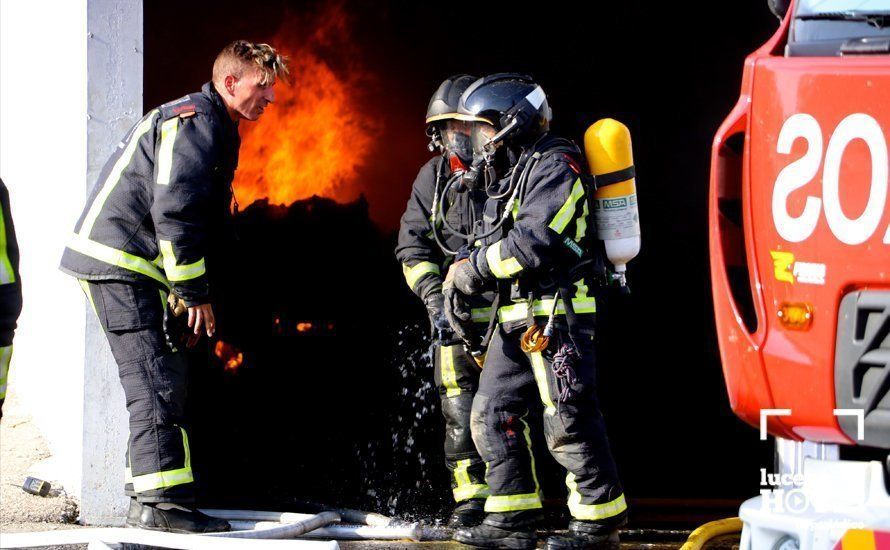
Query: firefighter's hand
[
  {"x": 463, "y": 276},
  {"x": 435, "y": 308},
  {"x": 201, "y": 316},
  {"x": 459, "y": 316}
]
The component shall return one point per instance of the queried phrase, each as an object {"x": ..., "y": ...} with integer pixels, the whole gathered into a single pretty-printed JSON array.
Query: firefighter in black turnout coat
[
  {"x": 543, "y": 258},
  {"x": 10, "y": 288},
  {"x": 141, "y": 250},
  {"x": 437, "y": 226}
]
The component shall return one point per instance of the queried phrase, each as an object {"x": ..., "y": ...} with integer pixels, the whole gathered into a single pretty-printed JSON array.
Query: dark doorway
[{"x": 326, "y": 413}]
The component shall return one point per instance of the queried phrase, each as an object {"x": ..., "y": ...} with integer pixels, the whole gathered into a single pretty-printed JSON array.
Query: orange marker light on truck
[{"x": 796, "y": 316}]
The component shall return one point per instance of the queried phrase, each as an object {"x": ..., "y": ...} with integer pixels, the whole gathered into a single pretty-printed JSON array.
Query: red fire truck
[{"x": 800, "y": 267}]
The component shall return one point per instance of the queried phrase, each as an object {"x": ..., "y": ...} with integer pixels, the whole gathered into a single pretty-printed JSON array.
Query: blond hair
[{"x": 241, "y": 56}]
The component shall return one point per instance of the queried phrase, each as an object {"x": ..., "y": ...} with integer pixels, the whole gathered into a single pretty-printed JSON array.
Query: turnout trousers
[
  {"x": 154, "y": 379},
  {"x": 573, "y": 427},
  {"x": 457, "y": 378}
]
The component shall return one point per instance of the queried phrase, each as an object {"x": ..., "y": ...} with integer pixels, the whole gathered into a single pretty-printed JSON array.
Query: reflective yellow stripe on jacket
[
  {"x": 114, "y": 177},
  {"x": 542, "y": 308},
  {"x": 502, "y": 268},
  {"x": 81, "y": 241},
  {"x": 176, "y": 272},
  {"x": 418, "y": 270},
  {"x": 169, "y": 128},
  {"x": 117, "y": 257},
  {"x": 567, "y": 211}
]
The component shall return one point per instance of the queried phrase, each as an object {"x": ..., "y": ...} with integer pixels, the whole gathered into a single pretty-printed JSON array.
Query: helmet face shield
[
  {"x": 456, "y": 139},
  {"x": 480, "y": 136}
]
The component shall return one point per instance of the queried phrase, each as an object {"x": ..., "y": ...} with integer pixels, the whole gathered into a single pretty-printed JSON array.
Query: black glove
[
  {"x": 459, "y": 316},
  {"x": 464, "y": 276},
  {"x": 435, "y": 308},
  {"x": 461, "y": 281}
]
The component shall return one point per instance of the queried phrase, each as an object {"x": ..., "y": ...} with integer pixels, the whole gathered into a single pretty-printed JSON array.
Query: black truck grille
[{"x": 862, "y": 365}]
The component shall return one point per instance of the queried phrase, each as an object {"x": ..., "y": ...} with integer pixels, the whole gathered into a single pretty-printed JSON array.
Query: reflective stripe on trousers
[
  {"x": 592, "y": 512},
  {"x": 168, "y": 478},
  {"x": 465, "y": 488},
  {"x": 526, "y": 501},
  {"x": 5, "y": 358},
  {"x": 155, "y": 386},
  {"x": 449, "y": 376},
  {"x": 7, "y": 275}
]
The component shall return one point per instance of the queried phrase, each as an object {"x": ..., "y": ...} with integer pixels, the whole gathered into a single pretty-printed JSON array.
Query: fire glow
[
  {"x": 314, "y": 138},
  {"x": 231, "y": 357}
]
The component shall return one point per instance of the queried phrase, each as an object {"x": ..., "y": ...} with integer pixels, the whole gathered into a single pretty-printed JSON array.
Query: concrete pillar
[
  {"x": 70, "y": 88},
  {"x": 114, "y": 93}
]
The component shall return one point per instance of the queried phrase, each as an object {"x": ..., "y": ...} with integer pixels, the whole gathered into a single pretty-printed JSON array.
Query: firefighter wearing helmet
[
  {"x": 438, "y": 226},
  {"x": 541, "y": 257}
]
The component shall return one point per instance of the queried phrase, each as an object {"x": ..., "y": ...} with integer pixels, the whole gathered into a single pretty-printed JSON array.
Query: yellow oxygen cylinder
[{"x": 609, "y": 153}]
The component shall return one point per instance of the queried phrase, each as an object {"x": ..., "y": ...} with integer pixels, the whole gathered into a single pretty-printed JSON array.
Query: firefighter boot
[
  {"x": 174, "y": 518},
  {"x": 134, "y": 512},
  {"x": 469, "y": 513},
  {"x": 503, "y": 530},
  {"x": 586, "y": 534}
]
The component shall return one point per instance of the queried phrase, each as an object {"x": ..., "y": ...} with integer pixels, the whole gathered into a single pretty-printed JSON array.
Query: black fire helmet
[
  {"x": 513, "y": 103},
  {"x": 443, "y": 104}
]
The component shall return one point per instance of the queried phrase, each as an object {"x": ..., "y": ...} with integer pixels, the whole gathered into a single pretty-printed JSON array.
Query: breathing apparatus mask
[
  {"x": 491, "y": 154},
  {"x": 452, "y": 139},
  {"x": 487, "y": 147}
]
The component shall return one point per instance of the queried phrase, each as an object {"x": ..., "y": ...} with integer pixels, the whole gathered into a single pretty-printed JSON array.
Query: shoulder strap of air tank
[{"x": 561, "y": 145}]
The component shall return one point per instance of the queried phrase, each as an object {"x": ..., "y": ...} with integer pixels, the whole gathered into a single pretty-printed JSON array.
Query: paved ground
[{"x": 21, "y": 447}]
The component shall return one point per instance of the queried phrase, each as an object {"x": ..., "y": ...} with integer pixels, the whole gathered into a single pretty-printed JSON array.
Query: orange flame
[
  {"x": 315, "y": 136},
  {"x": 231, "y": 356}
]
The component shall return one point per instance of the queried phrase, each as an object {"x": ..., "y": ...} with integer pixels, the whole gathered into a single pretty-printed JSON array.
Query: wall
[
  {"x": 114, "y": 68},
  {"x": 58, "y": 127}
]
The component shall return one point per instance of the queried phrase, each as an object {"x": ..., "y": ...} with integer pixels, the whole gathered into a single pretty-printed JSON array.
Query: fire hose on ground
[
  {"x": 261, "y": 528},
  {"x": 339, "y": 532},
  {"x": 152, "y": 538},
  {"x": 260, "y": 524},
  {"x": 711, "y": 530},
  {"x": 277, "y": 530},
  {"x": 347, "y": 514}
]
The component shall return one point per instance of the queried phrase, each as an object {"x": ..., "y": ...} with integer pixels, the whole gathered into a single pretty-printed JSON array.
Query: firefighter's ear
[{"x": 229, "y": 84}]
